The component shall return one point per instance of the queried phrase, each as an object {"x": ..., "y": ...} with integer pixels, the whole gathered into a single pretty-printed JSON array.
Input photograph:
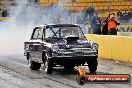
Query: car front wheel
[
  {"x": 33, "y": 65},
  {"x": 93, "y": 66}
]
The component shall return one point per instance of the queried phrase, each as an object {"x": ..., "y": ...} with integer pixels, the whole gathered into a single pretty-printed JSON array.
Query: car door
[{"x": 37, "y": 44}]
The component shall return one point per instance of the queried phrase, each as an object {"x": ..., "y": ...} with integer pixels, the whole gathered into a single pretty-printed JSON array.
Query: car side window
[
  {"x": 48, "y": 33},
  {"x": 38, "y": 33}
]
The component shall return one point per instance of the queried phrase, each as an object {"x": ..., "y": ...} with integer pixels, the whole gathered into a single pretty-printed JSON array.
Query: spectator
[
  {"x": 119, "y": 15},
  {"x": 130, "y": 15},
  {"x": 112, "y": 25},
  {"x": 90, "y": 11},
  {"x": 96, "y": 24},
  {"x": 125, "y": 16},
  {"x": 105, "y": 26},
  {"x": 5, "y": 13}
]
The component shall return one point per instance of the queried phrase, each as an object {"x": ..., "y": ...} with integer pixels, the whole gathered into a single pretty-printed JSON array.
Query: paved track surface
[{"x": 14, "y": 73}]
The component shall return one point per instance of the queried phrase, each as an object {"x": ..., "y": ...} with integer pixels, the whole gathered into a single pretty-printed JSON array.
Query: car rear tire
[
  {"x": 93, "y": 66},
  {"x": 48, "y": 65},
  {"x": 33, "y": 65}
]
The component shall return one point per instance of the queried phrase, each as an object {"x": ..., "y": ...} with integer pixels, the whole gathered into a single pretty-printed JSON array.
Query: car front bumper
[
  {"x": 76, "y": 60},
  {"x": 74, "y": 57}
]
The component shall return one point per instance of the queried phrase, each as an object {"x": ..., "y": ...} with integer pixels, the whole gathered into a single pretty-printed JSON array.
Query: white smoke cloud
[{"x": 14, "y": 33}]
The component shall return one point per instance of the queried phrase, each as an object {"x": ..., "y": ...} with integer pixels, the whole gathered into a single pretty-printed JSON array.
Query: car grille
[{"x": 76, "y": 52}]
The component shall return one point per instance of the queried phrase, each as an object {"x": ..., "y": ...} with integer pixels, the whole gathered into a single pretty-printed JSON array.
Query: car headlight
[
  {"x": 55, "y": 48},
  {"x": 95, "y": 46}
]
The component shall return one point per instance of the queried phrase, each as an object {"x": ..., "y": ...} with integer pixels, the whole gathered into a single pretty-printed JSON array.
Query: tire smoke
[{"x": 25, "y": 15}]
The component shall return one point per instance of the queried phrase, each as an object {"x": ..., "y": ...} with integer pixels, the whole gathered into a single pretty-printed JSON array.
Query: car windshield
[{"x": 61, "y": 32}]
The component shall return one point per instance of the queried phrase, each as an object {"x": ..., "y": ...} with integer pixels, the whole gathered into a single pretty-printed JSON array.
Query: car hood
[
  {"x": 62, "y": 43},
  {"x": 78, "y": 44}
]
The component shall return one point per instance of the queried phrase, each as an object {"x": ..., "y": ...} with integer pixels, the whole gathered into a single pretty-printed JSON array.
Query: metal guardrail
[{"x": 125, "y": 28}]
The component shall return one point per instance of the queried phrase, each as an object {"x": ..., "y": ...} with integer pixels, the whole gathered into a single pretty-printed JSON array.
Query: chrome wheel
[
  {"x": 48, "y": 65},
  {"x": 29, "y": 62}
]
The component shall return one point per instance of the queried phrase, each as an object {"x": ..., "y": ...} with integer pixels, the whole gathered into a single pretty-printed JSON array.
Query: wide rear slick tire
[{"x": 33, "y": 65}]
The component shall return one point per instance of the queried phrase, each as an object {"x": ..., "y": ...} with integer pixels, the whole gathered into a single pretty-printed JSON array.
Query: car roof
[
  {"x": 62, "y": 25},
  {"x": 59, "y": 25}
]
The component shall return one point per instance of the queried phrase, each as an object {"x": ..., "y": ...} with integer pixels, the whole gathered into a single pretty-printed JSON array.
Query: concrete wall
[{"x": 113, "y": 47}]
